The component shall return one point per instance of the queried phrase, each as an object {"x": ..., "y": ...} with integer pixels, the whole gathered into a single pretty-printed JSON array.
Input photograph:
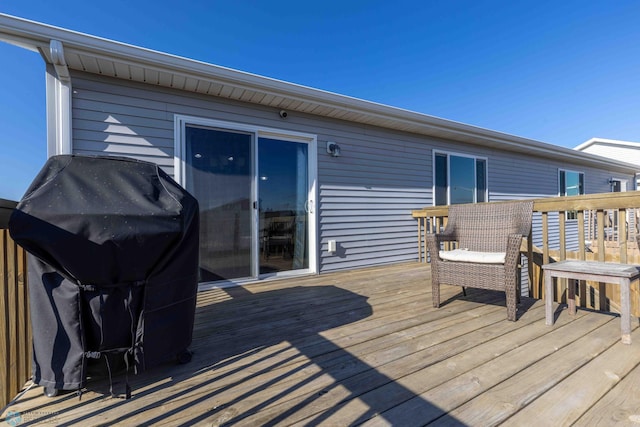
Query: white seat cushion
[{"x": 465, "y": 255}]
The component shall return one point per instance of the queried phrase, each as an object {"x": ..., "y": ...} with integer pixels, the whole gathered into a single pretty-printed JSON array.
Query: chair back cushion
[{"x": 464, "y": 255}]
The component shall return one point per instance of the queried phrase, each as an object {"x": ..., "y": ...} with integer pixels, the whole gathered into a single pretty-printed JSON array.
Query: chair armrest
[
  {"x": 434, "y": 241},
  {"x": 514, "y": 242}
]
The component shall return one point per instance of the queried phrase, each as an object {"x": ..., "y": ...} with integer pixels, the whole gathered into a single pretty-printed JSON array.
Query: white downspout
[{"x": 59, "y": 93}]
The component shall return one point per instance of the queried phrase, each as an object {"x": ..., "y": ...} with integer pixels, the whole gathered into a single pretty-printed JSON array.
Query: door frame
[{"x": 181, "y": 121}]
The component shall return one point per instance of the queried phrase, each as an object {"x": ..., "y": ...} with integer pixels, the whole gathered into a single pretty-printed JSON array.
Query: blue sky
[{"x": 560, "y": 72}]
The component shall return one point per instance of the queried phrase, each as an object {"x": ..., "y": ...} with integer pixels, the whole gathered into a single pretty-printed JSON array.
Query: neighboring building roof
[
  {"x": 620, "y": 151},
  {"x": 83, "y": 52},
  {"x": 604, "y": 141}
]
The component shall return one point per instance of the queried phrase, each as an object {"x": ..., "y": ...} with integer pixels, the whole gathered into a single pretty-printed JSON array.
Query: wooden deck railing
[
  {"x": 611, "y": 225},
  {"x": 15, "y": 329},
  {"x": 601, "y": 227}
]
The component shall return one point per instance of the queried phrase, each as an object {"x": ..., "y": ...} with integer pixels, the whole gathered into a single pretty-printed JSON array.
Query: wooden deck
[{"x": 367, "y": 347}]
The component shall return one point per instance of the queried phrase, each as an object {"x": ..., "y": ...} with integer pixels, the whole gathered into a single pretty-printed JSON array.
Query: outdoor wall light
[{"x": 333, "y": 149}]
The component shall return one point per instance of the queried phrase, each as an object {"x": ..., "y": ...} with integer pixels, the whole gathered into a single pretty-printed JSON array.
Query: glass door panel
[
  {"x": 462, "y": 176},
  {"x": 219, "y": 173},
  {"x": 283, "y": 191}
]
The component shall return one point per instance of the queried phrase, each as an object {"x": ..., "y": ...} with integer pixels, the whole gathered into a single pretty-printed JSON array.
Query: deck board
[
  {"x": 366, "y": 346},
  {"x": 624, "y": 397},
  {"x": 574, "y": 395},
  {"x": 506, "y": 392}
]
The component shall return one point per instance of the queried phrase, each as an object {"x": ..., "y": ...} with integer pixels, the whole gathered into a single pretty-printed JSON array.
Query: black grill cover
[{"x": 115, "y": 265}]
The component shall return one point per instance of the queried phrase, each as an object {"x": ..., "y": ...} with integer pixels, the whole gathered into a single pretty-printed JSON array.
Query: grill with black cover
[{"x": 114, "y": 268}]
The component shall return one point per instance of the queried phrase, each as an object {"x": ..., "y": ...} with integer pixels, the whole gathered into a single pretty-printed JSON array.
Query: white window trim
[
  {"x": 180, "y": 121},
  {"x": 454, "y": 153}
]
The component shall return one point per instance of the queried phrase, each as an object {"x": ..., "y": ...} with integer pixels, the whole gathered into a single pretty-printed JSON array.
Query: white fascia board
[
  {"x": 585, "y": 144},
  {"x": 38, "y": 35}
]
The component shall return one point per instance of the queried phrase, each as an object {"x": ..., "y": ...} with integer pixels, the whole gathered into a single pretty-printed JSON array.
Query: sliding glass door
[
  {"x": 219, "y": 166},
  {"x": 255, "y": 188},
  {"x": 284, "y": 208}
]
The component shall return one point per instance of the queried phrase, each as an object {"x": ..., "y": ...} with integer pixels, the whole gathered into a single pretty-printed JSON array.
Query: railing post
[
  {"x": 427, "y": 227},
  {"x": 530, "y": 258},
  {"x": 602, "y": 287},
  {"x": 562, "y": 229},
  {"x": 622, "y": 234},
  {"x": 419, "y": 239},
  {"x": 545, "y": 251},
  {"x": 582, "y": 292}
]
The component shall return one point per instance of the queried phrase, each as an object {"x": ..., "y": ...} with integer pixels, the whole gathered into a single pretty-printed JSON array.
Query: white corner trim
[{"x": 59, "y": 93}]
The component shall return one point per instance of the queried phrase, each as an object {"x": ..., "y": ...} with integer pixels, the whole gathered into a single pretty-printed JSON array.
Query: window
[
  {"x": 459, "y": 179},
  {"x": 571, "y": 184}
]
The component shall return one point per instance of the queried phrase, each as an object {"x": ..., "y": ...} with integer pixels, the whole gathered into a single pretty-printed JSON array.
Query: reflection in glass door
[
  {"x": 283, "y": 191},
  {"x": 219, "y": 173}
]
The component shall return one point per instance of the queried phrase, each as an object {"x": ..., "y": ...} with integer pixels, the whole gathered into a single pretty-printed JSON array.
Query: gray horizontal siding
[
  {"x": 105, "y": 123},
  {"x": 370, "y": 225},
  {"x": 365, "y": 197}
]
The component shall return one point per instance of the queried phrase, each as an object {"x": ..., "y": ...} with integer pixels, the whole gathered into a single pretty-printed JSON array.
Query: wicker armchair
[{"x": 488, "y": 237}]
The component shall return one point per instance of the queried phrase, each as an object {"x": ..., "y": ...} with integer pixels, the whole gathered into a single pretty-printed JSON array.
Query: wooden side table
[{"x": 622, "y": 274}]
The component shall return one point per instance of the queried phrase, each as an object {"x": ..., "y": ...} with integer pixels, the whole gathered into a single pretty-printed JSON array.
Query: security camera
[{"x": 283, "y": 114}]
